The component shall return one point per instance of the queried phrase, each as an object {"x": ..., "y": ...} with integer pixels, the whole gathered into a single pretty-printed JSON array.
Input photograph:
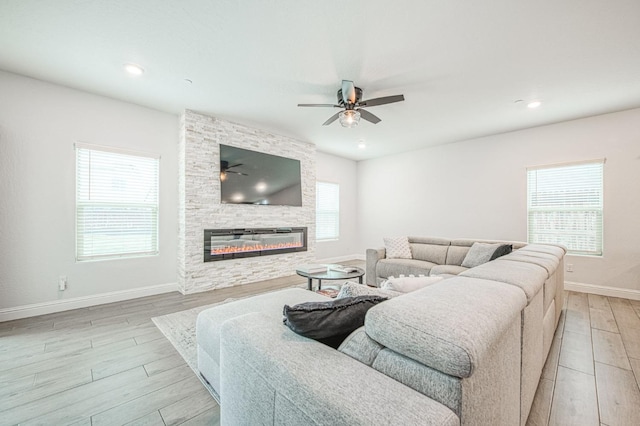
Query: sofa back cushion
[
  {"x": 456, "y": 254},
  {"x": 441, "y": 387},
  {"x": 448, "y": 326},
  {"x": 432, "y": 250},
  {"x": 460, "y": 247}
]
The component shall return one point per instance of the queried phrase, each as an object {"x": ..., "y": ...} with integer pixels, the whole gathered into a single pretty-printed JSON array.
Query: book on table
[
  {"x": 343, "y": 269},
  {"x": 312, "y": 268}
]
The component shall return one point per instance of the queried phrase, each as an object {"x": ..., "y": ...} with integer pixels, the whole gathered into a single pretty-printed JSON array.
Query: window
[
  {"x": 327, "y": 211},
  {"x": 116, "y": 203},
  {"x": 564, "y": 206}
]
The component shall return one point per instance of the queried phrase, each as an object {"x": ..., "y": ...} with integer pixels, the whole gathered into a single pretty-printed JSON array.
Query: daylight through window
[
  {"x": 327, "y": 211},
  {"x": 116, "y": 203},
  {"x": 565, "y": 206}
]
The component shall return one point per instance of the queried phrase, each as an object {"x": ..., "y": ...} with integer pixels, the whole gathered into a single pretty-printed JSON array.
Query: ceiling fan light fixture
[{"x": 349, "y": 118}]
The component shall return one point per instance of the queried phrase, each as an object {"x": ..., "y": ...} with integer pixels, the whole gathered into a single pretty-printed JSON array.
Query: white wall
[
  {"x": 477, "y": 189},
  {"x": 39, "y": 124},
  {"x": 330, "y": 168}
]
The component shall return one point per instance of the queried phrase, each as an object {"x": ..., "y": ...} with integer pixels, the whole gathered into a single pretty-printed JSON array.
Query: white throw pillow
[
  {"x": 351, "y": 289},
  {"x": 408, "y": 284},
  {"x": 397, "y": 247}
]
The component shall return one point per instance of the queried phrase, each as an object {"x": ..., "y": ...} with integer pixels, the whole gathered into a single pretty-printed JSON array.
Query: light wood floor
[
  {"x": 107, "y": 365},
  {"x": 110, "y": 365},
  {"x": 592, "y": 374}
]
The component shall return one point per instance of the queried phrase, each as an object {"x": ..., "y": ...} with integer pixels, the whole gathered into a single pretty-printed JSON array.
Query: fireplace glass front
[{"x": 224, "y": 244}]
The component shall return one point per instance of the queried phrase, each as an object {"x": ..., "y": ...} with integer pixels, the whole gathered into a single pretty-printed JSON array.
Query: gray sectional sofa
[{"x": 466, "y": 350}]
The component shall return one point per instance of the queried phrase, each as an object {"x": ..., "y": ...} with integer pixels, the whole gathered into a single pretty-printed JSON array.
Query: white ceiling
[{"x": 460, "y": 64}]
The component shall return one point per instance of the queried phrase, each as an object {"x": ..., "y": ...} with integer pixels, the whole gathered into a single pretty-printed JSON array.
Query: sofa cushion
[
  {"x": 397, "y": 247},
  {"x": 361, "y": 347},
  {"x": 480, "y": 253},
  {"x": 548, "y": 261},
  {"x": 527, "y": 276},
  {"x": 439, "y": 270},
  {"x": 556, "y": 250},
  {"x": 329, "y": 322},
  {"x": 409, "y": 284},
  {"x": 424, "y": 326},
  {"x": 386, "y": 268}
]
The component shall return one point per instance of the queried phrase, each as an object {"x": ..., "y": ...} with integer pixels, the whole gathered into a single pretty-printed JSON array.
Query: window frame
[
  {"x": 586, "y": 204},
  {"x": 154, "y": 206},
  {"x": 335, "y": 212}
]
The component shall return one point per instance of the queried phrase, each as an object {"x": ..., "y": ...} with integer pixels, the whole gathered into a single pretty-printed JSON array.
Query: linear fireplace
[{"x": 223, "y": 244}]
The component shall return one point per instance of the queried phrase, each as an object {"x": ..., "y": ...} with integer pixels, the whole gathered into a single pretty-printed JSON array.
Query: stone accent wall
[{"x": 200, "y": 208}]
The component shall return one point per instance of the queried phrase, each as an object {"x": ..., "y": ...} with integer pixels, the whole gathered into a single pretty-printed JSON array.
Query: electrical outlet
[
  {"x": 569, "y": 267},
  {"x": 62, "y": 283}
]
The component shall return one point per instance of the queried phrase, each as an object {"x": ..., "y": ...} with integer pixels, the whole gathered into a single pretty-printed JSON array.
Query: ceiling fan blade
[
  {"x": 331, "y": 119},
  {"x": 382, "y": 101},
  {"x": 237, "y": 173},
  {"x": 348, "y": 92},
  {"x": 368, "y": 116},
  {"x": 319, "y": 105},
  {"x": 235, "y": 165}
]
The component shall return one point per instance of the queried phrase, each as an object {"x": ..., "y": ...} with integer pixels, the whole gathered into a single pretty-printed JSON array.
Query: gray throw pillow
[
  {"x": 501, "y": 251},
  {"x": 479, "y": 253}
]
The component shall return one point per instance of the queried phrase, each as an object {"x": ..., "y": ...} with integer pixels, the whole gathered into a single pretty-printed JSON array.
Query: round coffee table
[{"x": 330, "y": 275}]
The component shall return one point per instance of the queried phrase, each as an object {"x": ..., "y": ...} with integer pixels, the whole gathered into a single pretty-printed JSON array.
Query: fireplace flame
[{"x": 258, "y": 247}]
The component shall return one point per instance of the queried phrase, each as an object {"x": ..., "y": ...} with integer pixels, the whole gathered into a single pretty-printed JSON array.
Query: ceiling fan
[
  {"x": 349, "y": 98},
  {"x": 224, "y": 170}
]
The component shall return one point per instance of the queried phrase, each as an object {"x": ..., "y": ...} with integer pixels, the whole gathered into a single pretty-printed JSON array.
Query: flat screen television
[{"x": 251, "y": 177}]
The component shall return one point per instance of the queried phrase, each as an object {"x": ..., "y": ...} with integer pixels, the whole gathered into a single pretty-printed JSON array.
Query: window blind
[
  {"x": 327, "y": 211},
  {"x": 116, "y": 204},
  {"x": 565, "y": 206}
]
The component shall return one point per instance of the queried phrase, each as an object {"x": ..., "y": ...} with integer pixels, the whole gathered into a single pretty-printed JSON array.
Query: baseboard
[
  {"x": 624, "y": 293},
  {"x": 343, "y": 258},
  {"x": 25, "y": 311}
]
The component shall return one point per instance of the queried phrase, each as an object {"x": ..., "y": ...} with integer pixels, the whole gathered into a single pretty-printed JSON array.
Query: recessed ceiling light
[
  {"x": 134, "y": 69},
  {"x": 361, "y": 144},
  {"x": 534, "y": 104}
]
